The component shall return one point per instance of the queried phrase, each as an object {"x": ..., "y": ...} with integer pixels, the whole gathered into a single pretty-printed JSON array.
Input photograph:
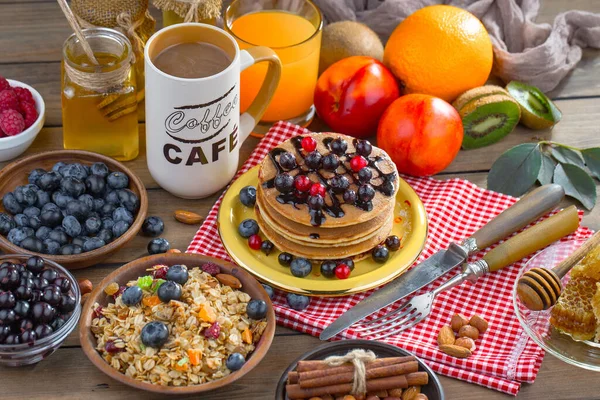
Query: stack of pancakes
[{"x": 354, "y": 232}]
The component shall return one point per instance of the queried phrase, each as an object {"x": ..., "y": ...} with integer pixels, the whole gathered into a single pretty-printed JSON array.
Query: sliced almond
[
  {"x": 455, "y": 351},
  {"x": 446, "y": 335},
  {"x": 188, "y": 217}
]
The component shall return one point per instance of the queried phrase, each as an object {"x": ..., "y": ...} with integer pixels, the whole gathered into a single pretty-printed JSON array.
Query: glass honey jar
[{"x": 99, "y": 102}]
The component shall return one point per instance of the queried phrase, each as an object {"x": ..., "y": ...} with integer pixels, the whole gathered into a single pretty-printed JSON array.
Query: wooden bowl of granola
[{"x": 193, "y": 358}]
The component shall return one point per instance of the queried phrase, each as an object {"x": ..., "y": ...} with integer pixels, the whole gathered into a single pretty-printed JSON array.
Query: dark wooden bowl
[
  {"x": 138, "y": 268},
  {"x": 16, "y": 174}
]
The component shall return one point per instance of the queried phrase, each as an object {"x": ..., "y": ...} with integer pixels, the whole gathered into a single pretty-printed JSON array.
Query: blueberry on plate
[
  {"x": 168, "y": 291},
  {"x": 128, "y": 199},
  {"x": 287, "y": 160},
  {"x": 51, "y": 218},
  {"x": 328, "y": 269},
  {"x": 49, "y": 181},
  {"x": 6, "y": 223},
  {"x": 117, "y": 180},
  {"x": 283, "y": 182},
  {"x": 112, "y": 197},
  {"x": 330, "y": 162},
  {"x": 297, "y": 301},
  {"x": 97, "y": 205},
  {"x": 366, "y": 193},
  {"x": 72, "y": 186},
  {"x": 72, "y": 226},
  {"x": 155, "y": 334},
  {"x": 235, "y": 361},
  {"x": 122, "y": 214},
  {"x": 27, "y": 195},
  {"x": 152, "y": 226},
  {"x": 95, "y": 184},
  {"x": 247, "y": 228},
  {"x": 348, "y": 261},
  {"x": 365, "y": 174},
  {"x": 300, "y": 267},
  {"x": 178, "y": 274},
  {"x": 285, "y": 259},
  {"x": 93, "y": 244},
  {"x": 119, "y": 228},
  {"x": 156, "y": 246},
  {"x": 75, "y": 170},
  {"x": 88, "y": 200},
  {"x": 313, "y": 160},
  {"x": 99, "y": 168},
  {"x": 35, "y": 175},
  {"x": 32, "y": 211},
  {"x": 78, "y": 209},
  {"x": 364, "y": 148},
  {"x": 43, "y": 198},
  {"x": 132, "y": 296},
  {"x": 269, "y": 290},
  {"x": 59, "y": 236},
  {"x": 10, "y": 203},
  {"x": 92, "y": 225},
  {"x": 392, "y": 242},
  {"x": 107, "y": 210},
  {"x": 267, "y": 247},
  {"x": 256, "y": 309},
  {"x": 380, "y": 254},
  {"x": 339, "y": 183},
  {"x": 338, "y": 146},
  {"x": 61, "y": 199},
  {"x": 248, "y": 196}
]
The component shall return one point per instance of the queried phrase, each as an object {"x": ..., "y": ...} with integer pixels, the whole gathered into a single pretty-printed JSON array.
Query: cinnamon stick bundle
[
  {"x": 373, "y": 373},
  {"x": 294, "y": 391},
  {"x": 312, "y": 365}
]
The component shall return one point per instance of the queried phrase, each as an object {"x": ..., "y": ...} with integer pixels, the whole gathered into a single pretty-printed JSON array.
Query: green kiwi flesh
[
  {"x": 538, "y": 111},
  {"x": 489, "y": 119}
]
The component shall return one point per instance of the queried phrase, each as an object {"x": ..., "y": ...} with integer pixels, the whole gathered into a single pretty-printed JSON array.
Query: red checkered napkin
[{"x": 505, "y": 357}]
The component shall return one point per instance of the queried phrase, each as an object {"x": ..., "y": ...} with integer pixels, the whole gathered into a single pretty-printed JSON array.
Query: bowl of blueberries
[
  {"x": 72, "y": 207},
  {"x": 39, "y": 308}
]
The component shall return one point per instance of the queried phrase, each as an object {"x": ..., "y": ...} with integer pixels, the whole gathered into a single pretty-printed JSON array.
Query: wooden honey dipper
[{"x": 540, "y": 288}]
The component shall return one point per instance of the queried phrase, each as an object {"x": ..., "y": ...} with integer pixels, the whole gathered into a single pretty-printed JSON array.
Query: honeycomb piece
[
  {"x": 596, "y": 308},
  {"x": 573, "y": 313},
  {"x": 589, "y": 266}
]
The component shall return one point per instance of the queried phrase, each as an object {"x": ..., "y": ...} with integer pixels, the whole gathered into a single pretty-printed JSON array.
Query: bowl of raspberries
[{"x": 22, "y": 112}]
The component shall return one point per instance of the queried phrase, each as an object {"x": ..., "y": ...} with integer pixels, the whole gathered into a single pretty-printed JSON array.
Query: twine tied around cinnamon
[
  {"x": 191, "y": 10},
  {"x": 358, "y": 358}
]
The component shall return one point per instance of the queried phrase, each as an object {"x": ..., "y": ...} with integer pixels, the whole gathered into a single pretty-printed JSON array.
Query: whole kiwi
[{"x": 348, "y": 38}]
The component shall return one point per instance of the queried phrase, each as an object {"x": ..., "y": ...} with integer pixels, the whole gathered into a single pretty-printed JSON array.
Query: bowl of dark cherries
[{"x": 39, "y": 308}]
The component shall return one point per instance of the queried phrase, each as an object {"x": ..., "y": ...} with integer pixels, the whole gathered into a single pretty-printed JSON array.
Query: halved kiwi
[
  {"x": 477, "y": 93},
  {"x": 488, "y": 119},
  {"x": 538, "y": 111}
]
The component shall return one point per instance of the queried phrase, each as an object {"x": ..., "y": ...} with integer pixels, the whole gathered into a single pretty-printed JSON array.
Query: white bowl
[{"x": 13, "y": 146}]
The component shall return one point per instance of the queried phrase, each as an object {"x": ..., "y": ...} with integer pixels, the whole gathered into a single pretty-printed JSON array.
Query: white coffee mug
[{"x": 193, "y": 126}]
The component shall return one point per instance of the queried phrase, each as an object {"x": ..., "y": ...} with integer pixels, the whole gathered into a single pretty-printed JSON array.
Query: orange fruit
[{"x": 440, "y": 50}]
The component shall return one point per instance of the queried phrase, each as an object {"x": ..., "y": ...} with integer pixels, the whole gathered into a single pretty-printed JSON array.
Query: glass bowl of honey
[{"x": 544, "y": 327}]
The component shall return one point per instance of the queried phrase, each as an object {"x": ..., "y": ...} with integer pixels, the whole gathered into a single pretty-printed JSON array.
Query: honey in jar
[{"x": 99, "y": 102}]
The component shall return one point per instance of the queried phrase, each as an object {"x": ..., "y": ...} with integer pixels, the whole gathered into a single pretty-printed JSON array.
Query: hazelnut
[
  {"x": 479, "y": 323},
  {"x": 469, "y": 331},
  {"x": 458, "y": 321},
  {"x": 85, "y": 286},
  {"x": 466, "y": 342}
]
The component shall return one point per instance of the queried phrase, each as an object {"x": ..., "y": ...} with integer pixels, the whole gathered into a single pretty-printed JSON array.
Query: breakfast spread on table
[{"x": 313, "y": 221}]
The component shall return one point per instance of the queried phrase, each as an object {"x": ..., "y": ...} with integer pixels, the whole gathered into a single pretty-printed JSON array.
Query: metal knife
[{"x": 528, "y": 209}]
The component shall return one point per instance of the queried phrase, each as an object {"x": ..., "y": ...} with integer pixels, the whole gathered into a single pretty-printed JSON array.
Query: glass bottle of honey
[{"x": 99, "y": 102}]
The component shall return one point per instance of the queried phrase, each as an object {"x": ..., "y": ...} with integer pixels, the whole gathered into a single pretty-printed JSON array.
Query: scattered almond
[
  {"x": 466, "y": 342},
  {"x": 455, "y": 351},
  {"x": 469, "y": 331},
  {"x": 188, "y": 217},
  {"x": 411, "y": 392},
  {"x": 85, "y": 286},
  {"x": 458, "y": 321},
  {"x": 479, "y": 323},
  {"x": 229, "y": 280},
  {"x": 446, "y": 335}
]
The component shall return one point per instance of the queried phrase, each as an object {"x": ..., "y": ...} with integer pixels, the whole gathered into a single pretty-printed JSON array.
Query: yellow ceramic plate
[{"x": 410, "y": 224}]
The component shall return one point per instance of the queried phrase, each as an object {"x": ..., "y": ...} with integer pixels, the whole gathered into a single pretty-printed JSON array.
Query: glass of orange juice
[{"x": 293, "y": 29}]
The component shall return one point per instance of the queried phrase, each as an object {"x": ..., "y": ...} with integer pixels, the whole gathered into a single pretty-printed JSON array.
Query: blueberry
[
  {"x": 348, "y": 261},
  {"x": 35, "y": 264},
  {"x": 58, "y": 236},
  {"x": 267, "y": 247},
  {"x": 178, "y": 274},
  {"x": 297, "y": 301},
  {"x": 152, "y": 226},
  {"x": 76, "y": 171},
  {"x": 316, "y": 202},
  {"x": 32, "y": 244},
  {"x": 364, "y": 148},
  {"x": 235, "y": 361},
  {"x": 50, "y": 207},
  {"x": 95, "y": 185},
  {"x": 328, "y": 269},
  {"x": 32, "y": 211},
  {"x": 6, "y": 223},
  {"x": 67, "y": 303},
  {"x": 313, "y": 160},
  {"x": 51, "y": 218},
  {"x": 88, "y": 200},
  {"x": 49, "y": 181},
  {"x": 155, "y": 334},
  {"x": 61, "y": 199},
  {"x": 269, "y": 290},
  {"x": 56, "y": 167},
  {"x": 339, "y": 183},
  {"x": 72, "y": 186},
  {"x": 27, "y": 194},
  {"x": 93, "y": 244},
  {"x": 256, "y": 309},
  {"x": 72, "y": 226},
  {"x": 128, "y": 199},
  {"x": 92, "y": 225},
  {"x": 107, "y": 210},
  {"x": 158, "y": 245},
  {"x": 285, "y": 259},
  {"x": 112, "y": 197},
  {"x": 35, "y": 222},
  {"x": 119, "y": 228},
  {"x": 17, "y": 235},
  {"x": 365, "y": 174},
  {"x": 338, "y": 146},
  {"x": 380, "y": 254},
  {"x": 330, "y": 162},
  {"x": 132, "y": 296},
  {"x": 248, "y": 227},
  {"x": 117, "y": 180},
  {"x": 248, "y": 196},
  {"x": 287, "y": 160},
  {"x": 168, "y": 291},
  {"x": 99, "y": 168},
  {"x": 366, "y": 193},
  {"x": 387, "y": 188},
  {"x": 300, "y": 267},
  {"x": 122, "y": 214},
  {"x": 66, "y": 250},
  {"x": 349, "y": 196},
  {"x": 284, "y": 183},
  {"x": 78, "y": 209},
  {"x": 97, "y": 205},
  {"x": 392, "y": 242},
  {"x": 35, "y": 175},
  {"x": 11, "y": 204},
  {"x": 106, "y": 235}
]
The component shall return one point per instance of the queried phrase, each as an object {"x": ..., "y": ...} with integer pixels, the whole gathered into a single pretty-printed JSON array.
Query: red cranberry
[
  {"x": 211, "y": 268},
  {"x": 213, "y": 331},
  {"x": 309, "y": 144},
  {"x": 357, "y": 163},
  {"x": 119, "y": 292},
  {"x": 97, "y": 312},
  {"x": 111, "y": 348},
  {"x": 317, "y": 188},
  {"x": 302, "y": 183},
  {"x": 342, "y": 271},
  {"x": 161, "y": 273},
  {"x": 254, "y": 242}
]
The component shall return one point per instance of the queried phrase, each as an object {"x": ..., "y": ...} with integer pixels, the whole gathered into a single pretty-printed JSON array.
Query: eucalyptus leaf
[
  {"x": 516, "y": 170},
  {"x": 567, "y": 156},
  {"x": 547, "y": 169},
  {"x": 591, "y": 157},
  {"x": 577, "y": 184}
]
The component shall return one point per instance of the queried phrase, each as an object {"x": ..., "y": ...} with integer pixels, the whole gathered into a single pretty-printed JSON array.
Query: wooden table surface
[{"x": 31, "y": 37}]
